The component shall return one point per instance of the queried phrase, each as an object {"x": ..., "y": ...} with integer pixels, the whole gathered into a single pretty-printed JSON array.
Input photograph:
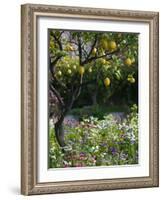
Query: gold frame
[{"x": 29, "y": 14}]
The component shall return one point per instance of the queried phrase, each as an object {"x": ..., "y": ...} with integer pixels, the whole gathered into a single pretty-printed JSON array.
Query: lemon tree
[{"x": 90, "y": 64}]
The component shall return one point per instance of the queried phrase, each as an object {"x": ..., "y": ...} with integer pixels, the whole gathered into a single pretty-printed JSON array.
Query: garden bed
[{"x": 97, "y": 142}]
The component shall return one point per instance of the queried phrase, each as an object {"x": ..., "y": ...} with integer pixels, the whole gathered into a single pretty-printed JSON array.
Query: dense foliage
[{"x": 100, "y": 66}]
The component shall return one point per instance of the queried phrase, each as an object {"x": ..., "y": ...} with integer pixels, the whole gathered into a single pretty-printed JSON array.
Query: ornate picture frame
[{"x": 30, "y": 13}]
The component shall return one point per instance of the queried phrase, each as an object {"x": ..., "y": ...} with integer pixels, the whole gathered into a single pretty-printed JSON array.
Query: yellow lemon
[
  {"x": 94, "y": 51},
  {"x": 103, "y": 61},
  {"x": 128, "y": 62},
  {"x": 132, "y": 80},
  {"x": 112, "y": 45},
  {"x": 107, "y": 82},
  {"x": 81, "y": 70}
]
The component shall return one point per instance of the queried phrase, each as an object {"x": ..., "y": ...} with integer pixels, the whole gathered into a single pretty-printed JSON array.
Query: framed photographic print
[{"x": 89, "y": 99}]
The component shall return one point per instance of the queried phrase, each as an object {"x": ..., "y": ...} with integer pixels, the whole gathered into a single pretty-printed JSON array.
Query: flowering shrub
[{"x": 95, "y": 142}]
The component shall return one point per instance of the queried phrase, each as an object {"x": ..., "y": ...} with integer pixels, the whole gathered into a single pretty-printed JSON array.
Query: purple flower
[
  {"x": 82, "y": 154},
  {"x": 113, "y": 150}
]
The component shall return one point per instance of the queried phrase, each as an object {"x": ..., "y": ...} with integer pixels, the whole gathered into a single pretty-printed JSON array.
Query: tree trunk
[
  {"x": 59, "y": 132},
  {"x": 94, "y": 98}
]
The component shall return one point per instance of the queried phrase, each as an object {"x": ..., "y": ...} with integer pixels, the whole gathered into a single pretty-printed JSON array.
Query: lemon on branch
[
  {"x": 112, "y": 45},
  {"x": 128, "y": 62},
  {"x": 94, "y": 51},
  {"x": 107, "y": 82},
  {"x": 131, "y": 79},
  {"x": 81, "y": 70}
]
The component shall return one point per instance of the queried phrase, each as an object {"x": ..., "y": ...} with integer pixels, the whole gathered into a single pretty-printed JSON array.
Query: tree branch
[
  {"x": 60, "y": 34},
  {"x": 84, "y": 52},
  {"x": 52, "y": 69},
  {"x": 70, "y": 102},
  {"x": 79, "y": 49},
  {"x": 79, "y": 89},
  {"x": 108, "y": 55},
  {"x": 92, "y": 47},
  {"x": 58, "y": 41},
  {"x": 56, "y": 93}
]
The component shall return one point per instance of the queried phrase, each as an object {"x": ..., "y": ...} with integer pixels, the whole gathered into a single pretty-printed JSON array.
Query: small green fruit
[
  {"x": 59, "y": 73},
  {"x": 69, "y": 71},
  {"x": 74, "y": 66},
  {"x": 132, "y": 80},
  {"x": 90, "y": 70}
]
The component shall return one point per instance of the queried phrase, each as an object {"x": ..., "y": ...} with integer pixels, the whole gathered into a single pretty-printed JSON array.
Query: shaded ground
[{"x": 77, "y": 114}]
